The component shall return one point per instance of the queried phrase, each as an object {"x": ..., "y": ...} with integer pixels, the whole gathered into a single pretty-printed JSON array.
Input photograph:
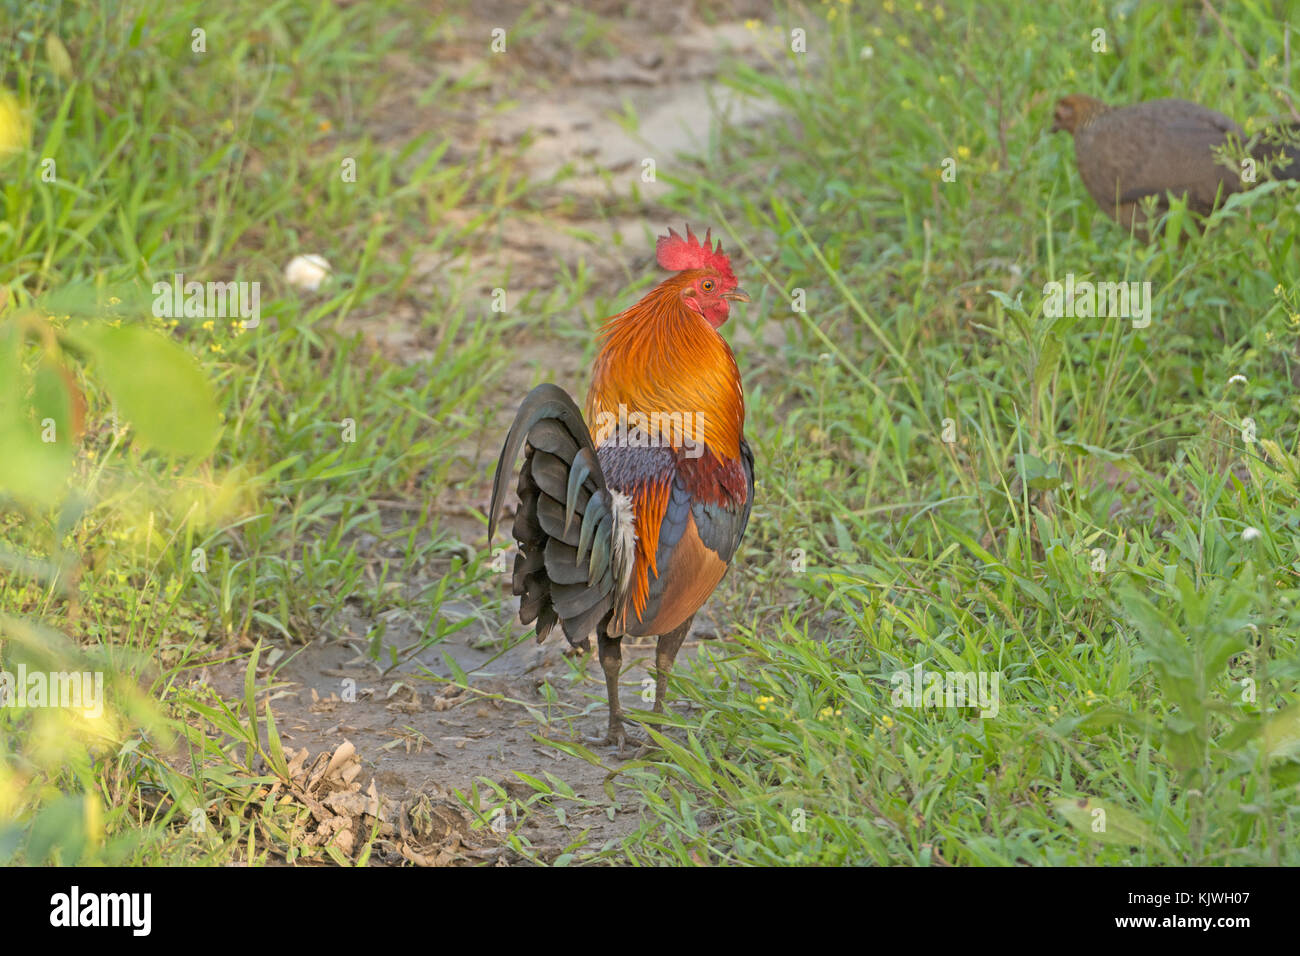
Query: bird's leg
[
  {"x": 665, "y": 653},
  {"x": 611, "y": 662}
]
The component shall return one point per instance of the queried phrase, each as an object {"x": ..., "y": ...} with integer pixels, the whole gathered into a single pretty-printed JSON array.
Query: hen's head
[
  {"x": 1074, "y": 111},
  {"x": 706, "y": 284}
]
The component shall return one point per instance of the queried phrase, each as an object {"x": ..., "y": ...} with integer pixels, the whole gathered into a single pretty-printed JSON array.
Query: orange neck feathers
[{"x": 661, "y": 359}]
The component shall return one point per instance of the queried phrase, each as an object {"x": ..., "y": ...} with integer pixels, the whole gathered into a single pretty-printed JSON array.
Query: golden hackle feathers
[{"x": 659, "y": 356}]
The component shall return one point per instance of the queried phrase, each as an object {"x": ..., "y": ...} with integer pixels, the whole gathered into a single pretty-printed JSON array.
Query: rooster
[{"x": 629, "y": 519}]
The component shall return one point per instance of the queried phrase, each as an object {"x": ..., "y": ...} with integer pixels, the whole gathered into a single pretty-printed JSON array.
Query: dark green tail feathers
[{"x": 563, "y": 527}]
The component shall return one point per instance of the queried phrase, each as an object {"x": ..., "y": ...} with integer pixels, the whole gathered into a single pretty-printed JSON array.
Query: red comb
[{"x": 675, "y": 253}]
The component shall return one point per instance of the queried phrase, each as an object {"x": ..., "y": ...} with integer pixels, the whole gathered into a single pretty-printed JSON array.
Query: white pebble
[{"x": 306, "y": 272}]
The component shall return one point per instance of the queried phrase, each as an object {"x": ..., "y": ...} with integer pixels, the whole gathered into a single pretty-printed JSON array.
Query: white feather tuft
[{"x": 622, "y": 543}]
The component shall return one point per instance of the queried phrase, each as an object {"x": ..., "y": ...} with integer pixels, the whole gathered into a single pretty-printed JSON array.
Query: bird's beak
[{"x": 736, "y": 295}]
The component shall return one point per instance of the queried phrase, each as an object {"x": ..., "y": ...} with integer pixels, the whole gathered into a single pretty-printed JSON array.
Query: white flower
[
  {"x": 1251, "y": 534},
  {"x": 1237, "y": 378},
  {"x": 306, "y": 272},
  {"x": 866, "y": 53}
]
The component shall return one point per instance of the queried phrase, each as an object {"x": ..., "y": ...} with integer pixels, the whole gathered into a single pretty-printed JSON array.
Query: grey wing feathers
[{"x": 721, "y": 529}]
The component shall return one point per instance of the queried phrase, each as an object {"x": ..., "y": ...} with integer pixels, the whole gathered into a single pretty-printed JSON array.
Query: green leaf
[
  {"x": 30, "y": 469},
  {"x": 1107, "y": 823},
  {"x": 61, "y": 826},
  {"x": 457, "y": 672},
  {"x": 53, "y": 400},
  {"x": 1281, "y": 734},
  {"x": 1007, "y": 302},
  {"x": 250, "y": 700},
  {"x": 1048, "y": 357},
  {"x": 57, "y": 55},
  {"x": 157, "y": 385},
  {"x": 1036, "y": 473},
  {"x": 1096, "y": 451},
  {"x": 275, "y": 749}
]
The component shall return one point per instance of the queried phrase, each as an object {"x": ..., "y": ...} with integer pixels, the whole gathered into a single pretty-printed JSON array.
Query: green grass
[
  {"x": 1080, "y": 534},
  {"x": 171, "y": 161},
  {"x": 947, "y": 477}
]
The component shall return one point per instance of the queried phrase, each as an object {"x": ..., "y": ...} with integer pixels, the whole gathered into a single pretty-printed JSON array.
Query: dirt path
[{"x": 416, "y": 739}]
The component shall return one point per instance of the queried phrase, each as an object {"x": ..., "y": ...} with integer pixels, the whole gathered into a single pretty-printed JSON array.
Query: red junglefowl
[
  {"x": 1163, "y": 146},
  {"x": 628, "y": 519}
]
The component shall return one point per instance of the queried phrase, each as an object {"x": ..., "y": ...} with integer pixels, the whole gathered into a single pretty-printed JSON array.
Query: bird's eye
[{"x": 707, "y": 285}]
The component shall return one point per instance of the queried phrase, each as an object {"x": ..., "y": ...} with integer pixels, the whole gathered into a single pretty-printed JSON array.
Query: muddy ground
[{"x": 417, "y": 742}]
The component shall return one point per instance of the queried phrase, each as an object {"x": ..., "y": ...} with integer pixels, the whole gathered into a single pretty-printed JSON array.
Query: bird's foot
[{"x": 620, "y": 738}]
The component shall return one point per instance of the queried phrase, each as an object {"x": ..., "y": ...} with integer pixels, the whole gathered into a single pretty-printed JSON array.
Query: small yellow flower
[
  {"x": 877, "y": 32},
  {"x": 209, "y": 325},
  {"x": 888, "y": 6},
  {"x": 939, "y": 13},
  {"x": 904, "y": 42},
  {"x": 113, "y": 300},
  {"x": 1277, "y": 289},
  {"x": 886, "y": 721},
  {"x": 832, "y": 13},
  {"x": 963, "y": 152},
  {"x": 751, "y": 25},
  {"x": 216, "y": 347},
  {"x": 325, "y": 126},
  {"x": 919, "y": 7}
]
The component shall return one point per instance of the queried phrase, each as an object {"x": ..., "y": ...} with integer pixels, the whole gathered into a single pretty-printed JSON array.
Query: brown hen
[{"x": 1163, "y": 147}]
